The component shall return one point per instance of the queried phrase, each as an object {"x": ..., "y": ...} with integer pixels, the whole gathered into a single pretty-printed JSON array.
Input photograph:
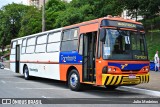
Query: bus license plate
[{"x": 132, "y": 76}]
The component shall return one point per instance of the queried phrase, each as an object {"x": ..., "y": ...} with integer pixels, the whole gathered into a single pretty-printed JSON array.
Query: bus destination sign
[
  {"x": 120, "y": 24},
  {"x": 124, "y": 24}
]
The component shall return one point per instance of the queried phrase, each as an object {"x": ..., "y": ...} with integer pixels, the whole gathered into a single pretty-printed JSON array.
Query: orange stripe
[{"x": 65, "y": 67}]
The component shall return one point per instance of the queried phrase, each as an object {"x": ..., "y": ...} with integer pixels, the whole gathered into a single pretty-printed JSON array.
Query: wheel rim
[
  {"x": 26, "y": 73},
  {"x": 73, "y": 80}
]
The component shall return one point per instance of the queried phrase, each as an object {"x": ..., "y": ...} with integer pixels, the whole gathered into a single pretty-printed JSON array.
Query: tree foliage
[
  {"x": 31, "y": 22},
  {"x": 14, "y": 23},
  {"x": 146, "y": 8},
  {"x": 10, "y": 18}
]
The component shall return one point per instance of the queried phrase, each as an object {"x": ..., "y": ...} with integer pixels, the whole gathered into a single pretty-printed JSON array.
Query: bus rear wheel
[
  {"x": 74, "y": 80},
  {"x": 26, "y": 73}
]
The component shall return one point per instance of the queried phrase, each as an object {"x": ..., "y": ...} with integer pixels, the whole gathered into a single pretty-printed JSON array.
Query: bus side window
[
  {"x": 81, "y": 45},
  {"x": 14, "y": 44},
  {"x": 69, "y": 40},
  {"x": 30, "y": 45},
  {"x": 53, "y": 44},
  {"x": 23, "y": 46},
  {"x": 41, "y": 43}
]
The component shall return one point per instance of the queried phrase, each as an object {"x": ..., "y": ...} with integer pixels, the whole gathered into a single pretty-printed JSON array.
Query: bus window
[
  {"x": 41, "y": 44},
  {"x": 81, "y": 45},
  {"x": 54, "y": 37},
  {"x": 54, "y": 42},
  {"x": 31, "y": 45},
  {"x": 14, "y": 44},
  {"x": 13, "y": 47},
  {"x": 69, "y": 45},
  {"x": 42, "y": 39},
  {"x": 70, "y": 40},
  {"x": 24, "y": 46}
]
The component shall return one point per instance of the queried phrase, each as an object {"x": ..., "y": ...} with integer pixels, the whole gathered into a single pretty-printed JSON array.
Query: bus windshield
[{"x": 124, "y": 45}]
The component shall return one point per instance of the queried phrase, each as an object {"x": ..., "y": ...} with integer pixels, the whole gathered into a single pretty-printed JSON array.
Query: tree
[
  {"x": 31, "y": 22},
  {"x": 18, "y": 20},
  {"x": 79, "y": 11},
  {"x": 53, "y": 9},
  {"x": 10, "y": 18},
  {"x": 146, "y": 8}
]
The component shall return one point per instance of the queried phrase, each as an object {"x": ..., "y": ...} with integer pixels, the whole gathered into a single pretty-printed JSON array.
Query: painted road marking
[
  {"x": 3, "y": 81},
  {"x": 20, "y": 82},
  {"x": 40, "y": 88},
  {"x": 139, "y": 90}
]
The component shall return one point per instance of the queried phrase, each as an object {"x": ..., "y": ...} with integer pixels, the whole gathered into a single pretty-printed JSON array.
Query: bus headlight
[
  {"x": 109, "y": 69},
  {"x": 114, "y": 70},
  {"x": 147, "y": 69}
]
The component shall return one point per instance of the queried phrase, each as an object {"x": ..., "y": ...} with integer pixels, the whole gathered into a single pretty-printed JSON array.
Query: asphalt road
[{"x": 13, "y": 85}]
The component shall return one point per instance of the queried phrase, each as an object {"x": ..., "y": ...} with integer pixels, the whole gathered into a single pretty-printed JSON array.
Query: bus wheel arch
[
  {"x": 26, "y": 72},
  {"x": 69, "y": 70},
  {"x": 73, "y": 79}
]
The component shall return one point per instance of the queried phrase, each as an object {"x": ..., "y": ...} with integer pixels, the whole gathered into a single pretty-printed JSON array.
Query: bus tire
[
  {"x": 110, "y": 87},
  {"x": 74, "y": 80},
  {"x": 26, "y": 73}
]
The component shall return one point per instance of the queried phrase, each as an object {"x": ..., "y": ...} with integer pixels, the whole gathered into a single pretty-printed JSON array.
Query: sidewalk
[{"x": 154, "y": 83}]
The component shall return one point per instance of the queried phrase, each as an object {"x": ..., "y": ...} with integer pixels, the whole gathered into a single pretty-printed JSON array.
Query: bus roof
[
  {"x": 41, "y": 33},
  {"x": 109, "y": 17}
]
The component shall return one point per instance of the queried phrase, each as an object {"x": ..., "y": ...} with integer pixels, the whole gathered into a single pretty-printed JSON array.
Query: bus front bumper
[{"x": 119, "y": 80}]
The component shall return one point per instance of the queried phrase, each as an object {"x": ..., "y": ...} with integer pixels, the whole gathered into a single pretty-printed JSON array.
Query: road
[{"x": 13, "y": 85}]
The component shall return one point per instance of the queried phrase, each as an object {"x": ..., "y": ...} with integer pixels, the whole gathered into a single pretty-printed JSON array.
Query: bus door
[
  {"x": 88, "y": 53},
  {"x": 17, "y": 58}
]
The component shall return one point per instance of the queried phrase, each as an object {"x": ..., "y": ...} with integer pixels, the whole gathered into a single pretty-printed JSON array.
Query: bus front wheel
[
  {"x": 26, "y": 73},
  {"x": 74, "y": 80}
]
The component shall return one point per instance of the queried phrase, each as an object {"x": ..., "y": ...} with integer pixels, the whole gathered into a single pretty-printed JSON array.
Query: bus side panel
[
  {"x": 65, "y": 67},
  {"x": 50, "y": 71},
  {"x": 12, "y": 60},
  {"x": 68, "y": 59},
  {"x": 44, "y": 65}
]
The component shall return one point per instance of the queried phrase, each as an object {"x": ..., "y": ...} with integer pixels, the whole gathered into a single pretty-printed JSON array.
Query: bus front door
[
  {"x": 89, "y": 50},
  {"x": 17, "y": 57}
]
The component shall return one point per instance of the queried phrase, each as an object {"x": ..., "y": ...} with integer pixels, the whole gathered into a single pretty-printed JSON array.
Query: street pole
[{"x": 43, "y": 16}]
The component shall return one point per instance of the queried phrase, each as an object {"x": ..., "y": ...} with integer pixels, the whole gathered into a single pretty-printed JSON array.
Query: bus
[{"x": 109, "y": 51}]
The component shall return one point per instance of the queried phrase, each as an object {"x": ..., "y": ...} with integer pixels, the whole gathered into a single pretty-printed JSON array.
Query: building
[
  {"x": 125, "y": 15},
  {"x": 37, "y": 3}
]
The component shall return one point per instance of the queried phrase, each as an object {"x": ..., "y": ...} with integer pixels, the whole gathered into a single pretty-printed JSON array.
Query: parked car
[{"x": 1, "y": 66}]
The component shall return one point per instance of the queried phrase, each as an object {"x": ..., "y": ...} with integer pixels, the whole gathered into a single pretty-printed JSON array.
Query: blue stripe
[
  {"x": 71, "y": 57},
  {"x": 128, "y": 66}
]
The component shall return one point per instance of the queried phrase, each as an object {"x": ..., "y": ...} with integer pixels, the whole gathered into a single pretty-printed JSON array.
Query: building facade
[{"x": 37, "y": 3}]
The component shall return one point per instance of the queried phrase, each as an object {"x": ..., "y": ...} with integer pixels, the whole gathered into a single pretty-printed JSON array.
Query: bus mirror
[{"x": 102, "y": 34}]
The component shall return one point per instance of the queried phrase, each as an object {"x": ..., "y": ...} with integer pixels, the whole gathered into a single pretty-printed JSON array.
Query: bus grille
[{"x": 125, "y": 80}]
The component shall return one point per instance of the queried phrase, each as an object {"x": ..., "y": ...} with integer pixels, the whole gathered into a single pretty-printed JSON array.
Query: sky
[{"x": 5, "y": 2}]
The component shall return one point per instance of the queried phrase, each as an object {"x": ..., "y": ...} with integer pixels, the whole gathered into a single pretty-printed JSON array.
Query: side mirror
[{"x": 102, "y": 34}]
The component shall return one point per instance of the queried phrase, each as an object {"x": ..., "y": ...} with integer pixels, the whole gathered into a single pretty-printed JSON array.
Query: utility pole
[{"x": 43, "y": 17}]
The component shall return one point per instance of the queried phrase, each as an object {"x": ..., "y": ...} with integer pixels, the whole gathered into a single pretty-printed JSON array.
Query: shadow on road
[{"x": 88, "y": 89}]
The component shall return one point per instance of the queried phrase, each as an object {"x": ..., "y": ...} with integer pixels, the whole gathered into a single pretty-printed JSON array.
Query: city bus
[{"x": 109, "y": 51}]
